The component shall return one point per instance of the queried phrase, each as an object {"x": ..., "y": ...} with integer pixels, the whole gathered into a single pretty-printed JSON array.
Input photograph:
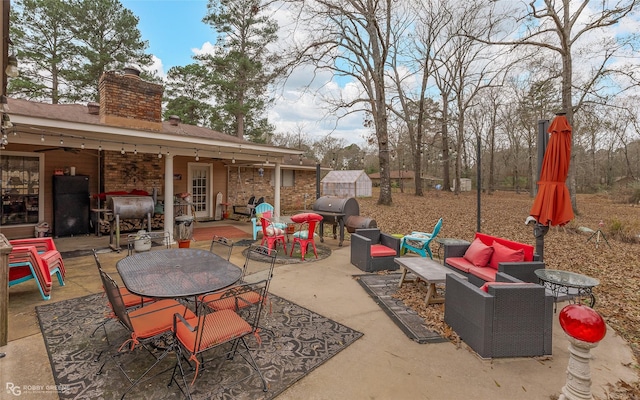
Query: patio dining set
[{"x": 196, "y": 303}]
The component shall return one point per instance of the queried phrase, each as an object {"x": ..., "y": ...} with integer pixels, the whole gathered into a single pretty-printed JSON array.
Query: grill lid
[
  {"x": 134, "y": 207},
  {"x": 339, "y": 205}
]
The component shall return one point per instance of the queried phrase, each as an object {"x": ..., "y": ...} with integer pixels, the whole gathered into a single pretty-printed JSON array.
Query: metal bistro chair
[
  {"x": 221, "y": 246},
  {"x": 259, "y": 264},
  {"x": 418, "y": 242},
  {"x": 145, "y": 325},
  {"x": 210, "y": 330},
  {"x": 305, "y": 237},
  {"x": 131, "y": 301},
  {"x": 272, "y": 234}
]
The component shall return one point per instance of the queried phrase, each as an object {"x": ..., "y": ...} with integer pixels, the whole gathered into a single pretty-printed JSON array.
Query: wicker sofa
[
  {"x": 512, "y": 319},
  {"x": 372, "y": 250},
  {"x": 456, "y": 257}
]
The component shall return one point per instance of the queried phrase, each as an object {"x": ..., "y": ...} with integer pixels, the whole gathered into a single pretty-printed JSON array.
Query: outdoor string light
[{"x": 12, "y": 70}]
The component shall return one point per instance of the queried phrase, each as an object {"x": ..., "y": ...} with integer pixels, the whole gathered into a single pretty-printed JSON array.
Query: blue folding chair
[{"x": 418, "y": 242}]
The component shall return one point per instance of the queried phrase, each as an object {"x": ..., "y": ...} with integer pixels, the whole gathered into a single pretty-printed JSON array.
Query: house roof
[{"x": 44, "y": 124}]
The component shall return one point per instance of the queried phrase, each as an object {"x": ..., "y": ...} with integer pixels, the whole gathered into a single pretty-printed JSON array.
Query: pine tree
[
  {"x": 41, "y": 36},
  {"x": 107, "y": 38},
  {"x": 242, "y": 66}
]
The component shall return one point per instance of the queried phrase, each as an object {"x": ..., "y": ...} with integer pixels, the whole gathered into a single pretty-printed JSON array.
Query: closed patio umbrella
[{"x": 552, "y": 205}]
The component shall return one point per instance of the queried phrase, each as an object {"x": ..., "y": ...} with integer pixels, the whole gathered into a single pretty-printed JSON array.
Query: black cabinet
[{"x": 70, "y": 205}]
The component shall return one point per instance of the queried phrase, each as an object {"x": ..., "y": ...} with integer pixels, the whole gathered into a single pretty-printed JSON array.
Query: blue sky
[
  {"x": 175, "y": 32},
  {"x": 173, "y": 28}
]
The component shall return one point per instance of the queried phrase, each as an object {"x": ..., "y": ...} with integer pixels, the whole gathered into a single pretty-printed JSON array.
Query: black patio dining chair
[
  {"x": 258, "y": 265},
  {"x": 219, "y": 328},
  {"x": 145, "y": 326},
  {"x": 131, "y": 301},
  {"x": 221, "y": 246}
]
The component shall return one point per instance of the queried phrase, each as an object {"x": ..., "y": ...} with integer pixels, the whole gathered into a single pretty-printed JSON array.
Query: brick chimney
[{"x": 129, "y": 102}]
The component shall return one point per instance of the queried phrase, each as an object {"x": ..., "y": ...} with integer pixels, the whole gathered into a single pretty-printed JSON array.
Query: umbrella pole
[{"x": 539, "y": 231}]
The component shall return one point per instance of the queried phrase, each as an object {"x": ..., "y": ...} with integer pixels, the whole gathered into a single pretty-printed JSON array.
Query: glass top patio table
[
  {"x": 561, "y": 282},
  {"x": 173, "y": 273}
]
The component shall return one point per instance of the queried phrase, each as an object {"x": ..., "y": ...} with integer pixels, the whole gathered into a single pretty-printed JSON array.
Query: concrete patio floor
[{"x": 383, "y": 364}]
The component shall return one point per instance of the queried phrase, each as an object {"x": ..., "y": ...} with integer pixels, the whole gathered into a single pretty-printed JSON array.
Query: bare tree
[
  {"x": 560, "y": 27},
  {"x": 419, "y": 46},
  {"x": 352, "y": 38},
  {"x": 466, "y": 67}
]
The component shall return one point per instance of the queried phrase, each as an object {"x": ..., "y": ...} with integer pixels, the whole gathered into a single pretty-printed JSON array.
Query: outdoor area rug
[
  {"x": 382, "y": 288},
  {"x": 228, "y": 231},
  {"x": 302, "y": 341}
]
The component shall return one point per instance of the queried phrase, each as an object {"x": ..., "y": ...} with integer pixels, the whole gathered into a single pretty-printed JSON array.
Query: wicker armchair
[
  {"x": 506, "y": 321},
  {"x": 372, "y": 250}
]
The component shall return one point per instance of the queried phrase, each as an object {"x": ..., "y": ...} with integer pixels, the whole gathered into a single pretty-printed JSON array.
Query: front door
[{"x": 200, "y": 189}]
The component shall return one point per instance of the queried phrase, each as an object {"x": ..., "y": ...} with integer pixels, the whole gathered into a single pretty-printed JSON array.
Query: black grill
[{"x": 336, "y": 212}]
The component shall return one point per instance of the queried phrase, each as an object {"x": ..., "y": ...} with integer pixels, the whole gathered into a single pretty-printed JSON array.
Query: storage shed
[{"x": 355, "y": 183}]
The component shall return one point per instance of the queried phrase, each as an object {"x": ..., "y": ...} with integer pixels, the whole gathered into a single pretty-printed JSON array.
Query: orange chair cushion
[
  {"x": 216, "y": 302},
  {"x": 478, "y": 253},
  {"x": 218, "y": 327},
  {"x": 156, "y": 318},
  {"x": 502, "y": 253},
  {"x": 380, "y": 250}
]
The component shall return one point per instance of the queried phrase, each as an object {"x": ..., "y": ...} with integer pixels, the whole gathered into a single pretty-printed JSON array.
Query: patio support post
[
  {"x": 539, "y": 230},
  {"x": 276, "y": 189},
  {"x": 168, "y": 196}
]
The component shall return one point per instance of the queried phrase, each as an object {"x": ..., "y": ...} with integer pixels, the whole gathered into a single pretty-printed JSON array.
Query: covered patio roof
[{"x": 77, "y": 126}]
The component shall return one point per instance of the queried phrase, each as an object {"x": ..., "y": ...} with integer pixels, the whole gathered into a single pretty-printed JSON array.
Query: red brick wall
[
  {"x": 128, "y": 101},
  {"x": 245, "y": 182},
  {"x": 125, "y": 172}
]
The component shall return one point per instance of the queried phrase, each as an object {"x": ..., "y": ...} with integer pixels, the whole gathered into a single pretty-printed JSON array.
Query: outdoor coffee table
[
  {"x": 427, "y": 270},
  {"x": 568, "y": 283}
]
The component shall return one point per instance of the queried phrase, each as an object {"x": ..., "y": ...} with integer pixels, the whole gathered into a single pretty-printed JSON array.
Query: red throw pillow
[
  {"x": 502, "y": 253},
  {"x": 478, "y": 253},
  {"x": 305, "y": 217}
]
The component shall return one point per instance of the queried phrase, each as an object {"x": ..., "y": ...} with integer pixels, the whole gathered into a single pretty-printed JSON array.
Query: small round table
[{"x": 571, "y": 284}]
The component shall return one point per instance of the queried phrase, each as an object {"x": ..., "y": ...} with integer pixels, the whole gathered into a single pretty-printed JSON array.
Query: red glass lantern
[{"x": 582, "y": 323}]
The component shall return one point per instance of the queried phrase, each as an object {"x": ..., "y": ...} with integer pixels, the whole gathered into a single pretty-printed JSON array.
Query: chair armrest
[
  {"x": 522, "y": 270},
  {"x": 455, "y": 250},
  {"x": 469, "y": 312},
  {"x": 178, "y": 316},
  {"x": 391, "y": 242},
  {"x": 360, "y": 251}
]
